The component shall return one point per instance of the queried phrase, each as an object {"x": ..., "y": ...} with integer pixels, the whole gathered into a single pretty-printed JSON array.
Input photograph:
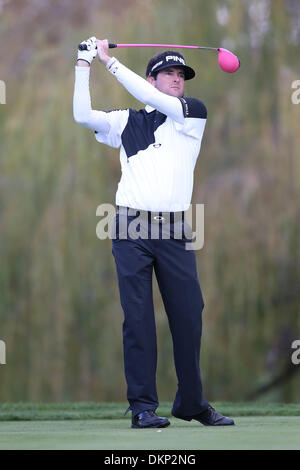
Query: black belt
[{"x": 152, "y": 216}]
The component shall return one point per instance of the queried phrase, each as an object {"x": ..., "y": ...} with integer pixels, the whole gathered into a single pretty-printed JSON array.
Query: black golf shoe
[
  {"x": 148, "y": 419},
  {"x": 210, "y": 417}
]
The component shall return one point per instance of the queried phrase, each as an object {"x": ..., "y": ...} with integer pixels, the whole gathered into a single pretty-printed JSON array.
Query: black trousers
[{"x": 176, "y": 273}]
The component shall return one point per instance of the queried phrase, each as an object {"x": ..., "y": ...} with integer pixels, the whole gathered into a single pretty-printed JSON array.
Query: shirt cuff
[{"x": 112, "y": 65}]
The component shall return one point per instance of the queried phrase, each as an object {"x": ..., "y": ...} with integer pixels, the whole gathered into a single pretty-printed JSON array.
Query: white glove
[{"x": 91, "y": 51}]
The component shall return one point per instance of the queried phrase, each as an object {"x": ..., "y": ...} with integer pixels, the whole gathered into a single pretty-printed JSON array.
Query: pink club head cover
[{"x": 228, "y": 61}]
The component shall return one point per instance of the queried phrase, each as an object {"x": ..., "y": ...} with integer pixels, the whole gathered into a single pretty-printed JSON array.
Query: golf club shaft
[
  {"x": 171, "y": 46},
  {"x": 83, "y": 47}
]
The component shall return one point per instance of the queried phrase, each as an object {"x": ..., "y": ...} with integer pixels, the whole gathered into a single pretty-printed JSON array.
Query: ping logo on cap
[
  {"x": 175, "y": 58},
  {"x": 172, "y": 58}
]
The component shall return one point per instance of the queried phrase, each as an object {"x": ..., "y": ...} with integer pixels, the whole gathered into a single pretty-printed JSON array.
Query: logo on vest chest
[{"x": 156, "y": 146}]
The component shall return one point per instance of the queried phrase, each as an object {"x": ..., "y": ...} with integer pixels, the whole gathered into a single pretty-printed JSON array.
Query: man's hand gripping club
[{"x": 94, "y": 46}]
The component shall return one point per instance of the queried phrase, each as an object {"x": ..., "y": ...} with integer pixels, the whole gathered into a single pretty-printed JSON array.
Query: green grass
[
  {"x": 259, "y": 432},
  {"x": 92, "y": 411},
  {"x": 103, "y": 426}
]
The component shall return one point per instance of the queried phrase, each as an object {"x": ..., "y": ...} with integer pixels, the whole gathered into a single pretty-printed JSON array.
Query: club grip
[{"x": 83, "y": 47}]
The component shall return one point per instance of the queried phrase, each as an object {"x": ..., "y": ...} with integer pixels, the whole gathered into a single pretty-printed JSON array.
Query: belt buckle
[{"x": 159, "y": 218}]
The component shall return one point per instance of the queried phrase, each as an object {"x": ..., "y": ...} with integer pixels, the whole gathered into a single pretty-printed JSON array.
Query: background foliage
[{"x": 60, "y": 313}]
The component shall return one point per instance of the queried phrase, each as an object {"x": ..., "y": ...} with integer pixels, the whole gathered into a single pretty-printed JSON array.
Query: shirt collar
[{"x": 149, "y": 108}]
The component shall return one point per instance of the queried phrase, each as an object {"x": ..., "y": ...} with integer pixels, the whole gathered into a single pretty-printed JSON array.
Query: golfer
[{"x": 159, "y": 146}]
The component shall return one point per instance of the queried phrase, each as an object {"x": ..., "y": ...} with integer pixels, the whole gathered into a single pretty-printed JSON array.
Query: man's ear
[{"x": 150, "y": 79}]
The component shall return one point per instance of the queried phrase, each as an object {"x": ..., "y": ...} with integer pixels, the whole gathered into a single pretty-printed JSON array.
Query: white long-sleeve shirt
[{"x": 159, "y": 145}]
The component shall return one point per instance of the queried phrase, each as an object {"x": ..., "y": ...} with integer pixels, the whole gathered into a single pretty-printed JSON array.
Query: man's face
[{"x": 169, "y": 81}]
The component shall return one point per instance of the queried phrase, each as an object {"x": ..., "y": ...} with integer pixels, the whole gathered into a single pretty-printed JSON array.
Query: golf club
[{"x": 228, "y": 62}]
